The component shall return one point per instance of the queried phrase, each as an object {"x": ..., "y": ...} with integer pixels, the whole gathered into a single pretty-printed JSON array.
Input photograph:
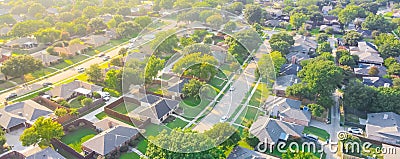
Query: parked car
[
  {"x": 81, "y": 69},
  {"x": 223, "y": 119},
  {"x": 311, "y": 137},
  {"x": 104, "y": 95},
  {"x": 355, "y": 130},
  {"x": 106, "y": 58},
  {"x": 232, "y": 88},
  {"x": 11, "y": 96},
  {"x": 46, "y": 84},
  {"x": 100, "y": 55}
]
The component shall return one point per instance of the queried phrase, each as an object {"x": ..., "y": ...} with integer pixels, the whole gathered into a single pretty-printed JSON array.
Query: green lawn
[
  {"x": 130, "y": 155},
  {"x": 101, "y": 115},
  {"x": 31, "y": 96},
  {"x": 192, "y": 101},
  {"x": 322, "y": 134},
  {"x": 125, "y": 108},
  {"x": 74, "y": 103},
  {"x": 76, "y": 135},
  {"x": 142, "y": 146},
  {"x": 190, "y": 111},
  {"x": 43, "y": 72},
  {"x": 5, "y": 84},
  {"x": 260, "y": 95},
  {"x": 70, "y": 61},
  {"x": 177, "y": 123},
  {"x": 154, "y": 129},
  {"x": 314, "y": 32}
]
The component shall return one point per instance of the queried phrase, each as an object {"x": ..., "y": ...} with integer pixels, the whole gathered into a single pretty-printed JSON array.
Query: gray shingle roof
[
  {"x": 290, "y": 69},
  {"x": 377, "y": 81},
  {"x": 160, "y": 109},
  {"x": 47, "y": 153},
  {"x": 269, "y": 130},
  {"x": 287, "y": 108},
  {"x": 383, "y": 126},
  {"x": 108, "y": 140},
  {"x": 66, "y": 90},
  {"x": 151, "y": 99}
]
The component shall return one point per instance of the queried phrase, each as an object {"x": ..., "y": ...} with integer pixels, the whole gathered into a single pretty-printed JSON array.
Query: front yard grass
[
  {"x": 142, "y": 146},
  {"x": 5, "y": 85},
  {"x": 43, "y": 72},
  {"x": 74, "y": 103},
  {"x": 70, "y": 61},
  {"x": 192, "y": 101},
  {"x": 129, "y": 155},
  {"x": 177, "y": 123},
  {"x": 77, "y": 137},
  {"x": 101, "y": 115},
  {"x": 322, "y": 134},
  {"x": 260, "y": 95}
]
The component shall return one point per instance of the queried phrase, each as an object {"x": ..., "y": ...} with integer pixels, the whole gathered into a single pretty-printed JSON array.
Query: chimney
[{"x": 293, "y": 59}]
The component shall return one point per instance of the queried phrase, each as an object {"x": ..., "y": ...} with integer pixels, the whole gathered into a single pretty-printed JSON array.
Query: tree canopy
[
  {"x": 41, "y": 132},
  {"x": 18, "y": 66}
]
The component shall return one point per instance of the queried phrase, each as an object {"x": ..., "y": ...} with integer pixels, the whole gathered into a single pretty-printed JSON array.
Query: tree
[
  {"x": 396, "y": 82},
  {"x": 115, "y": 21},
  {"x": 215, "y": 21},
  {"x": 74, "y": 111},
  {"x": 41, "y": 132},
  {"x": 389, "y": 61},
  {"x": 378, "y": 22},
  {"x": 165, "y": 41},
  {"x": 373, "y": 71},
  {"x": 347, "y": 60},
  {"x": 66, "y": 17},
  {"x": 36, "y": 8},
  {"x": 322, "y": 37},
  {"x": 203, "y": 48},
  {"x": 75, "y": 41},
  {"x": 298, "y": 90},
  {"x": 124, "y": 10},
  {"x": 282, "y": 36},
  {"x": 281, "y": 46},
  {"x": 123, "y": 51},
  {"x": 265, "y": 67},
  {"x": 7, "y": 19},
  {"x": 203, "y": 15},
  {"x": 192, "y": 88},
  {"x": 90, "y": 12},
  {"x": 184, "y": 41},
  {"x": 352, "y": 38},
  {"x": 238, "y": 51},
  {"x": 96, "y": 24},
  {"x": 113, "y": 79},
  {"x": 196, "y": 64},
  {"x": 86, "y": 102},
  {"x": 394, "y": 69},
  {"x": 128, "y": 29},
  {"x": 60, "y": 112},
  {"x": 94, "y": 73},
  {"x": 167, "y": 4},
  {"x": 189, "y": 16},
  {"x": 236, "y": 7},
  {"x": 298, "y": 19},
  {"x": 388, "y": 45},
  {"x": 48, "y": 35},
  {"x": 316, "y": 110},
  {"x": 278, "y": 60},
  {"x": 154, "y": 65},
  {"x": 229, "y": 27},
  {"x": 28, "y": 27},
  {"x": 18, "y": 66},
  {"x": 350, "y": 13},
  {"x": 253, "y": 14},
  {"x": 324, "y": 47},
  {"x": 317, "y": 18},
  {"x": 358, "y": 96},
  {"x": 143, "y": 21},
  {"x": 3, "y": 138}
]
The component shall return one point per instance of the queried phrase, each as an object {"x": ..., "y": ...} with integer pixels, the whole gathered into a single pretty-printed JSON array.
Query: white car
[
  {"x": 223, "y": 119},
  {"x": 232, "y": 88},
  {"x": 100, "y": 55},
  {"x": 354, "y": 130},
  {"x": 81, "y": 69}
]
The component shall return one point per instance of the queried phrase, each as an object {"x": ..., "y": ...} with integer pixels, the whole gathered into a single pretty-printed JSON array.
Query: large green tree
[
  {"x": 154, "y": 65},
  {"x": 28, "y": 27},
  {"x": 18, "y": 66},
  {"x": 351, "y": 12},
  {"x": 298, "y": 19},
  {"x": 143, "y": 21},
  {"x": 95, "y": 73},
  {"x": 253, "y": 14},
  {"x": 192, "y": 88},
  {"x": 196, "y": 64},
  {"x": 352, "y": 38},
  {"x": 48, "y": 35},
  {"x": 41, "y": 132},
  {"x": 378, "y": 22},
  {"x": 128, "y": 29},
  {"x": 113, "y": 79},
  {"x": 165, "y": 41}
]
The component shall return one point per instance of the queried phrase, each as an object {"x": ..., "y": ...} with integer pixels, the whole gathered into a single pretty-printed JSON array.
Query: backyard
[
  {"x": 75, "y": 138},
  {"x": 125, "y": 108},
  {"x": 322, "y": 134},
  {"x": 176, "y": 123}
]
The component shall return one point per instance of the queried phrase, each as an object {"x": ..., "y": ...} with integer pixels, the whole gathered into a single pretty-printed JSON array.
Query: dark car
[
  {"x": 46, "y": 84},
  {"x": 11, "y": 96}
]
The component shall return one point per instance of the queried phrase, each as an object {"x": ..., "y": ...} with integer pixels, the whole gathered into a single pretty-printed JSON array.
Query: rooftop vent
[{"x": 385, "y": 116}]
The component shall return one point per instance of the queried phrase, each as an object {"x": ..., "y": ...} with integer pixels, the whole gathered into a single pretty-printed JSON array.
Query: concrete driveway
[
  {"x": 13, "y": 140},
  {"x": 92, "y": 115}
]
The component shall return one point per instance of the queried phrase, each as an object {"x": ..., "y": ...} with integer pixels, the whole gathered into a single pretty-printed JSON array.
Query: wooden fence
[{"x": 140, "y": 123}]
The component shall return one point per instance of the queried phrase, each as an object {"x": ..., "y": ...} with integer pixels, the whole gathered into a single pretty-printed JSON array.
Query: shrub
[
  {"x": 86, "y": 101},
  {"x": 60, "y": 112},
  {"x": 80, "y": 98},
  {"x": 112, "y": 92},
  {"x": 124, "y": 148},
  {"x": 71, "y": 128},
  {"x": 96, "y": 95},
  {"x": 133, "y": 143}
]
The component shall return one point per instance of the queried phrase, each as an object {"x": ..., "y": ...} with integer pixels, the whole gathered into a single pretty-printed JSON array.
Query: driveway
[{"x": 13, "y": 140}]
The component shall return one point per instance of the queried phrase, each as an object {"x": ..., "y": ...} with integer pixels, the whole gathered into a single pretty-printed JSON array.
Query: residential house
[
  {"x": 5, "y": 54},
  {"x": 74, "y": 88},
  {"x": 5, "y": 30},
  {"x": 71, "y": 50},
  {"x": 326, "y": 9},
  {"x": 176, "y": 88},
  {"x": 106, "y": 17},
  {"x": 273, "y": 23},
  {"x": 331, "y": 20},
  {"x": 156, "y": 110},
  {"x": 274, "y": 12},
  {"x": 282, "y": 82},
  {"x": 21, "y": 114},
  {"x": 219, "y": 53},
  {"x": 140, "y": 10},
  {"x": 47, "y": 153},
  {"x": 149, "y": 100},
  {"x": 244, "y": 153},
  {"x": 112, "y": 34},
  {"x": 363, "y": 70},
  {"x": 290, "y": 69},
  {"x": 46, "y": 59},
  {"x": 383, "y": 127},
  {"x": 377, "y": 81},
  {"x": 110, "y": 140},
  {"x": 365, "y": 33},
  {"x": 53, "y": 11},
  {"x": 304, "y": 45},
  {"x": 271, "y": 131},
  {"x": 97, "y": 40},
  {"x": 108, "y": 123},
  {"x": 25, "y": 43},
  {"x": 367, "y": 53},
  {"x": 335, "y": 29},
  {"x": 297, "y": 57},
  {"x": 288, "y": 110}
]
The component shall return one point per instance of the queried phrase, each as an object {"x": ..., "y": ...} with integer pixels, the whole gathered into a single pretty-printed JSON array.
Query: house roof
[
  {"x": 71, "y": 49},
  {"x": 244, "y": 153},
  {"x": 290, "y": 69},
  {"x": 108, "y": 140},
  {"x": 286, "y": 107},
  {"x": 5, "y": 30},
  {"x": 66, "y": 90},
  {"x": 15, "y": 114},
  {"x": 47, "y": 153},
  {"x": 384, "y": 124},
  {"x": 377, "y": 81},
  {"x": 283, "y": 82},
  {"x": 108, "y": 123},
  {"x": 21, "y": 41},
  {"x": 297, "y": 56},
  {"x": 52, "y": 10},
  {"x": 330, "y": 17},
  {"x": 363, "y": 69},
  {"x": 46, "y": 58},
  {"x": 178, "y": 86},
  {"x": 97, "y": 40},
  {"x": 303, "y": 44},
  {"x": 326, "y": 8},
  {"x": 159, "y": 110},
  {"x": 270, "y": 130},
  {"x": 151, "y": 99}
]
